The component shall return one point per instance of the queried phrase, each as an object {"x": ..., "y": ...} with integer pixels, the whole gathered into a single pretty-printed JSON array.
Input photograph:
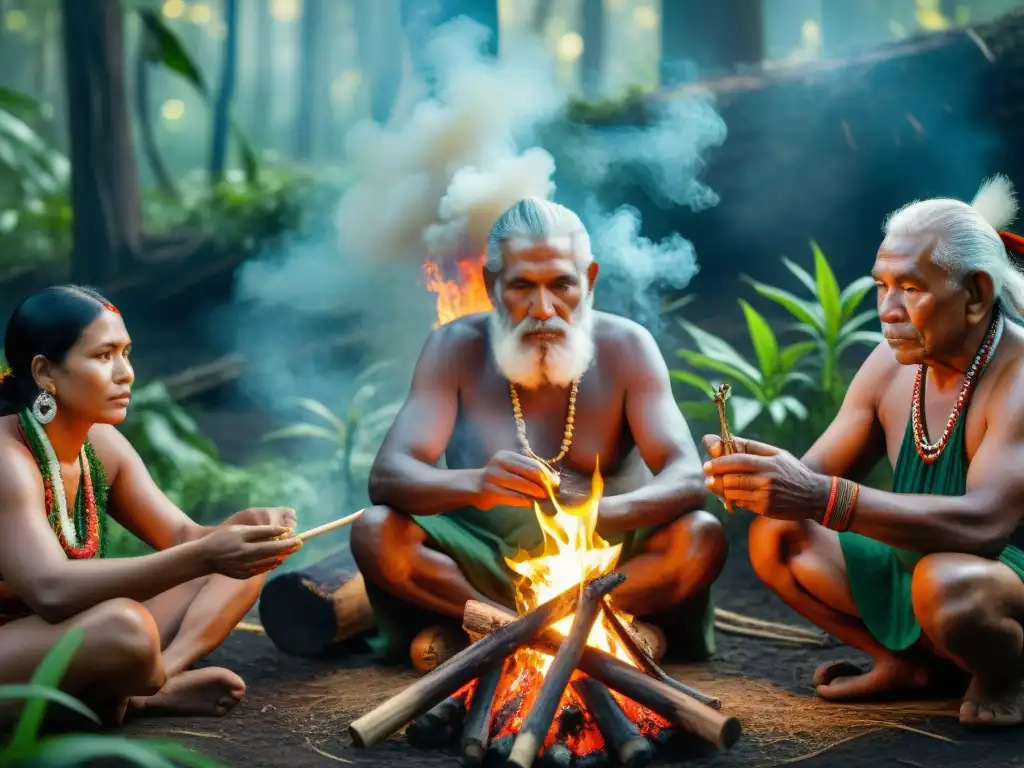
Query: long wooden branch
[
  {"x": 434, "y": 687},
  {"x": 623, "y": 739},
  {"x": 538, "y": 722},
  {"x": 687, "y": 713},
  {"x": 643, "y": 659}
]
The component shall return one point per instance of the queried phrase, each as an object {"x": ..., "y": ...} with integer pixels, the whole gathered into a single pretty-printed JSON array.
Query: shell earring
[{"x": 44, "y": 407}]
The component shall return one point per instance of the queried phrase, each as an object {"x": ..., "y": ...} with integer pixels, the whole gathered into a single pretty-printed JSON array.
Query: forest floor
[{"x": 296, "y": 711}]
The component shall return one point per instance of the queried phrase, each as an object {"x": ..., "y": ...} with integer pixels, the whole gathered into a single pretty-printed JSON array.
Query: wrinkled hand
[
  {"x": 765, "y": 480},
  {"x": 511, "y": 479},
  {"x": 279, "y": 516}
]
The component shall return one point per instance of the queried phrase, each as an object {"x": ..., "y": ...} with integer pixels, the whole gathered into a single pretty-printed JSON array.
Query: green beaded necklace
[{"x": 81, "y": 531}]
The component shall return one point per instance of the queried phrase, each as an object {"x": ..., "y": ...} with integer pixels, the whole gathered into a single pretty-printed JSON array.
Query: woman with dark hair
[{"x": 63, "y": 468}]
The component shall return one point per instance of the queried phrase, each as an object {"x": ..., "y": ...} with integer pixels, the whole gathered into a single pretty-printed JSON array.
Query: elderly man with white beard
[{"x": 543, "y": 385}]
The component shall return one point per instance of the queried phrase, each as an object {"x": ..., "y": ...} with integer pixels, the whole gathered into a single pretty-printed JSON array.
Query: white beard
[{"x": 533, "y": 365}]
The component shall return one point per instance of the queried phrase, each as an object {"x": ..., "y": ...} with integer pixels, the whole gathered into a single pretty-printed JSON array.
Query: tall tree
[
  {"x": 310, "y": 86},
  {"x": 381, "y": 54},
  {"x": 221, "y": 129},
  {"x": 592, "y": 61},
  {"x": 261, "y": 94},
  {"x": 715, "y": 36},
  {"x": 105, "y": 193}
]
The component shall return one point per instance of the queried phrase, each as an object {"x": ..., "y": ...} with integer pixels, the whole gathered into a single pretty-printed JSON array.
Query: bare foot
[
  {"x": 206, "y": 691},
  {"x": 842, "y": 680},
  {"x": 991, "y": 706}
]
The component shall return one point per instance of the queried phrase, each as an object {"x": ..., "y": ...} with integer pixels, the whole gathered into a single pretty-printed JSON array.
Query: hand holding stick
[{"x": 728, "y": 444}]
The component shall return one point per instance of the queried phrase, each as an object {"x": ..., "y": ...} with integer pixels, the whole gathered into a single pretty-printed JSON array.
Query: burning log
[
  {"x": 378, "y": 724},
  {"x": 306, "y": 612},
  {"x": 476, "y": 732},
  {"x": 635, "y": 647},
  {"x": 683, "y": 710},
  {"x": 622, "y": 737},
  {"x": 556, "y": 756},
  {"x": 438, "y": 727},
  {"x": 538, "y": 722}
]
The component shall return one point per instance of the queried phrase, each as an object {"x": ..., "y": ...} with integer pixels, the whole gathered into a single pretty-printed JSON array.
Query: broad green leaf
[
  {"x": 855, "y": 322},
  {"x": 763, "y": 338},
  {"x": 854, "y": 294},
  {"x": 18, "y": 101},
  {"x": 828, "y": 294},
  {"x": 869, "y": 338},
  {"x": 777, "y": 412},
  {"x": 693, "y": 380},
  {"x": 792, "y": 354},
  {"x": 672, "y": 306},
  {"x": 699, "y": 411},
  {"x": 794, "y": 406},
  {"x": 717, "y": 349},
  {"x": 173, "y": 53},
  {"x": 319, "y": 409},
  {"x": 802, "y": 275},
  {"x": 807, "y": 313},
  {"x": 48, "y": 674},
  {"x": 794, "y": 377},
  {"x": 78, "y": 749},
  {"x": 27, "y": 691},
  {"x": 697, "y": 360},
  {"x": 303, "y": 430},
  {"x": 744, "y": 411}
]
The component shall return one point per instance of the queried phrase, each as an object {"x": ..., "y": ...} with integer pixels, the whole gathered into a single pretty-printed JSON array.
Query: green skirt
[
  {"x": 479, "y": 541},
  {"x": 880, "y": 576}
]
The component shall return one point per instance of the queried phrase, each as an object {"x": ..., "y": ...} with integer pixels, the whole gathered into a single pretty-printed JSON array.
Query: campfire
[{"x": 567, "y": 680}]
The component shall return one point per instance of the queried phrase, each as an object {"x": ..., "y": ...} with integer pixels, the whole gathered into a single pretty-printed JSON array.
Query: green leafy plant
[
  {"x": 355, "y": 436},
  {"x": 28, "y": 747},
  {"x": 830, "y": 317},
  {"x": 767, "y": 384},
  {"x": 186, "y": 465}
]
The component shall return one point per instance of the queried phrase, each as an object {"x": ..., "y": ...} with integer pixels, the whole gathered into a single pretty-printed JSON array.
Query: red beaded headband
[{"x": 112, "y": 308}]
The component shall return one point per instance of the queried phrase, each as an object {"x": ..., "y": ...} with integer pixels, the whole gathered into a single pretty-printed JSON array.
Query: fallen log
[
  {"x": 538, "y": 722},
  {"x": 381, "y": 722},
  {"x": 307, "y": 612},
  {"x": 684, "y": 711}
]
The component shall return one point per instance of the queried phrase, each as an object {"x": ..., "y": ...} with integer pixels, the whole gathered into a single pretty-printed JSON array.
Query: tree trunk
[
  {"x": 104, "y": 183},
  {"x": 221, "y": 129},
  {"x": 310, "y": 66},
  {"x": 263, "y": 115},
  {"x": 143, "y": 112},
  {"x": 715, "y": 37},
  {"x": 380, "y": 58},
  {"x": 592, "y": 62}
]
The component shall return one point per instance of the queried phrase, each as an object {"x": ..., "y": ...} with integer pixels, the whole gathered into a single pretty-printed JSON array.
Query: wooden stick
[
  {"x": 621, "y": 736},
  {"x": 476, "y": 732},
  {"x": 740, "y": 619},
  {"x": 435, "y": 686},
  {"x": 767, "y": 634},
  {"x": 328, "y": 527},
  {"x": 728, "y": 444},
  {"x": 686, "y": 712},
  {"x": 635, "y": 647},
  {"x": 538, "y": 722}
]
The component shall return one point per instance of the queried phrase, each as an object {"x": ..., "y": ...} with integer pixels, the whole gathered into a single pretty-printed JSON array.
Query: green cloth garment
[
  {"x": 879, "y": 574},
  {"x": 479, "y": 541}
]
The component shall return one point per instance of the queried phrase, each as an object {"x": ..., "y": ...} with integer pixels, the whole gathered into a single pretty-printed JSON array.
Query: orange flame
[
  {"x": 466, "y": 295},
  {"x": 573, "y": 553}
]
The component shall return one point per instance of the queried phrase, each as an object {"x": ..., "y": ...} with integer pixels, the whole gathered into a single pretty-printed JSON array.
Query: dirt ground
[{"x": 297, "y": 710}]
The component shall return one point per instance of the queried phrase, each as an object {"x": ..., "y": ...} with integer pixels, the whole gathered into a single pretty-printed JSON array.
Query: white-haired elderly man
[
  {"x": 921, "y": 578},
  {"x": 543, "y": 383}
]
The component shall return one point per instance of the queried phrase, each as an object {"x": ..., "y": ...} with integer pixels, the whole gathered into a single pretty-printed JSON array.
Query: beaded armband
[{"x": 841, "y": 501}]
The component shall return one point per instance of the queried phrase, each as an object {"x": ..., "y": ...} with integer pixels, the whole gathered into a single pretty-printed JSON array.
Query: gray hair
[
  {"x": 533, "y": 217},
  {"x": 968, "y": 237}
]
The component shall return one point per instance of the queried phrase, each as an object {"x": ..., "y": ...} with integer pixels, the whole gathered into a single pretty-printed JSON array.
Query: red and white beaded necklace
[{"x": 930, "y": 452}]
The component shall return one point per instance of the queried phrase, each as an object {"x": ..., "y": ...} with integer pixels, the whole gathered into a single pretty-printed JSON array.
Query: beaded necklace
[
  {"x": 570, "y": 423},
  {"x": 930, "y": 452},
  {"x": 78, "y": 530}
]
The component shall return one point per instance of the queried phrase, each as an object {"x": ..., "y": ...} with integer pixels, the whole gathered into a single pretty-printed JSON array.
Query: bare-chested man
[
  {"x": 922, "y": 578},
  {"x": 592, "y": 388}
]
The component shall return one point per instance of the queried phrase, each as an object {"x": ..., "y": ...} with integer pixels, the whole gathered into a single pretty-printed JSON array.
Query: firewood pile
[{"x": 582, "y": 707}]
